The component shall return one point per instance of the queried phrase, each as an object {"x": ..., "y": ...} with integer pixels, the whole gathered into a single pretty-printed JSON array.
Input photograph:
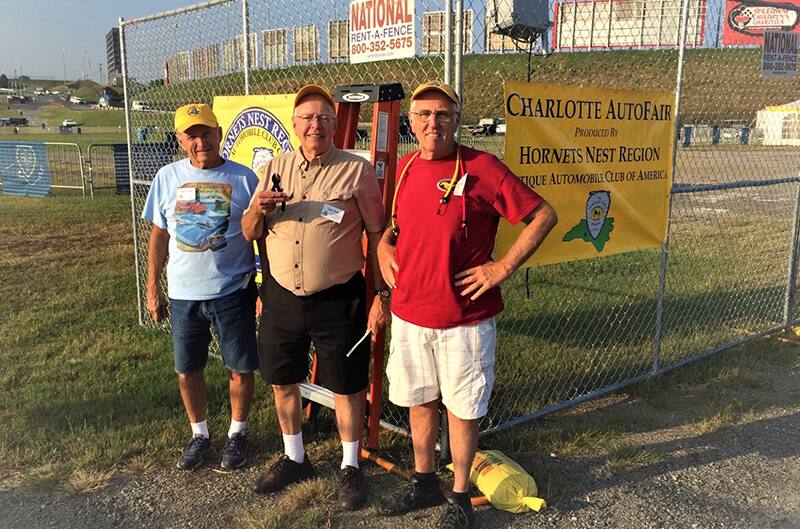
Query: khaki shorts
[{"x": 456, "y": 364}]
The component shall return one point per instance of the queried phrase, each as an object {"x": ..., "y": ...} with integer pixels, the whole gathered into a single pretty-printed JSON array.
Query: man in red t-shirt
[{"x": 437, "y": 258}]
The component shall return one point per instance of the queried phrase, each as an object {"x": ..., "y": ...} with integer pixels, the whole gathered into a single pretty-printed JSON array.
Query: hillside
[{"x": 720, "y": 85}]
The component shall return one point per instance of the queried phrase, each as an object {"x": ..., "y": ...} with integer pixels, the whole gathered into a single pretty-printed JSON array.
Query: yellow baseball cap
[
  {"x": 194, "y": 114},
  {"x": 310, "y": 89},
  {"x": 436, "y": 86}
]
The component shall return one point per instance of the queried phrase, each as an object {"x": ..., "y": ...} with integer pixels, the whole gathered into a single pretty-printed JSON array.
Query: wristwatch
[{"x": 384, "y": 293}]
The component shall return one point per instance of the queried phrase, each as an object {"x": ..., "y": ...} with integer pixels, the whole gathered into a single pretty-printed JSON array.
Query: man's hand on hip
[{"x": 481, "y": 278}]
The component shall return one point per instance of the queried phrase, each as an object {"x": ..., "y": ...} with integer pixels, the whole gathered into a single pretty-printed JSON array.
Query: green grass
[
  {"x": 53, "y": 115},
  {"x": 83, "y": 140},
  {"x": 85, "y": 388}
]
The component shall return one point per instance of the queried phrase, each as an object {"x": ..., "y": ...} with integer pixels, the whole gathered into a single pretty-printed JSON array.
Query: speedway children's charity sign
[
  {"x": 381, "y": 30},
  {"x": 602, "y": 158},
  {"x": 746, "y": 20}
]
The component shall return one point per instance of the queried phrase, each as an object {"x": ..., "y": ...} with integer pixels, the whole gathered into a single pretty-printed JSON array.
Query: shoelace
[
  {"x": 232, "y": 446},
  {"x": 284, "y": 461},
  {"x": 454, "y": 516},
  {"x": 196, "y": 442},
  {"x": 350, "y": 475}
]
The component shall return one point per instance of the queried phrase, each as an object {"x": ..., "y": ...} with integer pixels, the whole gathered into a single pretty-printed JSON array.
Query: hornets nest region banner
[
  {"x": 255, "y": 129},
  {"x": 602, "y": 158}
]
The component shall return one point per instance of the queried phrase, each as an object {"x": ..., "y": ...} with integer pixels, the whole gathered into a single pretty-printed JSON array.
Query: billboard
[
  {"x": 746, "y": 20},
  {"x": 609, "y": 24}
]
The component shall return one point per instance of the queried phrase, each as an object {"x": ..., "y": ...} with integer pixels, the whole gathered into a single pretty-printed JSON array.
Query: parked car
[
  {"x": 485, "y": 127},
  {"x": 69, "y": 123},
  {"x": 75, "y": 100},
  {"x": 501, "y": 126},
  {"x": 139, "y": 105}
]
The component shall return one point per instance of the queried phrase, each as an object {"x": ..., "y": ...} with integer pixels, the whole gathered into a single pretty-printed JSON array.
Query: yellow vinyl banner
[
  {"x": 255, "y": 129},
  {"x": 602, "y": 158}
]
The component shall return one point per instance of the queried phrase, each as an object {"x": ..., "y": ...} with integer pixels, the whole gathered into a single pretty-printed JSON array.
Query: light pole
[{"x": 64, "y": 62}]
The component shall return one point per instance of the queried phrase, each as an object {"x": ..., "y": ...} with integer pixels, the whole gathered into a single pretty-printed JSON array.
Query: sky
[{"x": 38, "y": 38}]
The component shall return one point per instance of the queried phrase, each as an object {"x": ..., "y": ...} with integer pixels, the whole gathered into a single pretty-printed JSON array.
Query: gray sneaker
[
  {"x": 234, "y": 455},
  {"x": 194, "y": 452}
]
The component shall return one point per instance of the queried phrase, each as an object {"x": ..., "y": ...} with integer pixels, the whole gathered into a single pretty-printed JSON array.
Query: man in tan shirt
[{"x": 312, "y": 207}]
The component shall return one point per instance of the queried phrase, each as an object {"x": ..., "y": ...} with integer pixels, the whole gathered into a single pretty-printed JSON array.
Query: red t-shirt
[{"x": 431, "y": 247}]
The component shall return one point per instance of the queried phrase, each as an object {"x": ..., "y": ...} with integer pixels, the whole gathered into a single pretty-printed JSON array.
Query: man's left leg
[
  {"x": 234, "y": 318},
  {"x": 241, "y": 387},
  {"x": 349, "y": 419}
]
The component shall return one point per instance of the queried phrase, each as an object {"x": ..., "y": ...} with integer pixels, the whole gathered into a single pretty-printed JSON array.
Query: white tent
[{"x": 780, "y": 124}]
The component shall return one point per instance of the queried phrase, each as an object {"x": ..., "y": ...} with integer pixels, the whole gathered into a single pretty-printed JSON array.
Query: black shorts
[{"x": 333, "y": 319}]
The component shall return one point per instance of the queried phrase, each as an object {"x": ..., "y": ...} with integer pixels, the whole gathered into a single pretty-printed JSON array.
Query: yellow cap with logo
[
  {"x": 194, "y": 114},
  {"x": 435, "y": 86},
  {"x": 310, "y": 89}
]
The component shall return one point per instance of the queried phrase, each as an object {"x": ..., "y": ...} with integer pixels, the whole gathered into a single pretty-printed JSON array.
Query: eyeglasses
[
  {"x": 441, "y": 116},
  {"x": 322, "y": 118}
]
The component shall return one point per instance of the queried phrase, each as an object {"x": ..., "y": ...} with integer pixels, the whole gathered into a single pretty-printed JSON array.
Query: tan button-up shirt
[{"x": 316, "y": 242}]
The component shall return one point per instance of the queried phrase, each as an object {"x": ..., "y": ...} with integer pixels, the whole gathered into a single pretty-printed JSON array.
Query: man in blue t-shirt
[{"x": 196, "y": 207}]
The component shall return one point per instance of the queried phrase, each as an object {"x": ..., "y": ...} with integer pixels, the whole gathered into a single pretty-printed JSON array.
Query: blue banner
[
  {"x": 24, "y": 169},
  {"x": 122, "y": 176}
]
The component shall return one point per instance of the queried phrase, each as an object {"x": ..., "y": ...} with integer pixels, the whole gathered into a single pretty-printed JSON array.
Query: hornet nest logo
[
  {"x": 27, "y": 165},
  {"x": 255, "y": 137},
  {"x": 596, "y": 227}
]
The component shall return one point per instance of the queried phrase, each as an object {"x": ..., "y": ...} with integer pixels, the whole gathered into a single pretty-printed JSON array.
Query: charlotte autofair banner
[
  {"x": 255, "y": 129},
  {"x": 602, "y": 158}
]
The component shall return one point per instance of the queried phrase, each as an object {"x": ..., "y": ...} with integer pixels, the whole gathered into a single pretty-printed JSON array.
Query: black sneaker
[
  {"x": 234, "y": 455},
  {"x": 283, "y": 473},
  {"x": 413, "y": 497},
  {"x": 457, "y": 515},
  {"x": 352, "y": 489},
  {"x": 194, "y": 452}
]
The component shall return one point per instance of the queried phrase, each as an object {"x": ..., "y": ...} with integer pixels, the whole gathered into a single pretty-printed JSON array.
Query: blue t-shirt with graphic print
[{"x": 202, "y": 211}]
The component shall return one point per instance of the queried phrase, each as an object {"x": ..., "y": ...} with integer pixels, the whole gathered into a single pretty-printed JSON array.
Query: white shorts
[{"x": 456, "y": 364}]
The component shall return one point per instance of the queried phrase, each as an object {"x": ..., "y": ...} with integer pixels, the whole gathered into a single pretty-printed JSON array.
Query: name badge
[
  {"x": 459, "y": 190},
  {"x": 332, "y": 213},
  {"x": 187, "y": 193}
]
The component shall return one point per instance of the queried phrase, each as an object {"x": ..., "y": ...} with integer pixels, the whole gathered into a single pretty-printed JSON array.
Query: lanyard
[{"x": 458, "y": 168}]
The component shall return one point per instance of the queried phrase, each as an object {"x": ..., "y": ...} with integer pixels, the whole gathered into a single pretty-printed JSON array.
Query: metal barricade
[{"x": 108, "y": 167}]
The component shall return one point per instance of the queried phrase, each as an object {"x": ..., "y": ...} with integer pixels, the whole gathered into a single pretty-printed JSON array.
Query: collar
[{"x": 322, "y": 160}]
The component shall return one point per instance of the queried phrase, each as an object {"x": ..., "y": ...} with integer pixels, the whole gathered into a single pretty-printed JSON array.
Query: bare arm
[
  {"x": 479, "y": 279},
  {"x": 156, "y": 259},
  {"x": 379, "y": 312},
  {"x": 386, "y": 259}
]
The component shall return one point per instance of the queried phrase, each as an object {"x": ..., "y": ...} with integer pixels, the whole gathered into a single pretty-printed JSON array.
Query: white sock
[
  {"x": 200, "y": 428},
  {"x": 293, "y": 447},
  {"x": 236, "y": 427},
  {"x": 349, "y": 454}
]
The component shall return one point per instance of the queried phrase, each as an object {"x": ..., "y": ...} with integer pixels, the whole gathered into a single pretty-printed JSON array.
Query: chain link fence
[{"x": 572, "y": 331}]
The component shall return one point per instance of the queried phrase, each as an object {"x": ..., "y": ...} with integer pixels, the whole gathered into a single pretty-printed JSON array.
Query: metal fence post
[
  {"x": 137, "y": 264},
  {"x": 246, "y": 40},
  {"x": 791, "y": 286},
  {"x": 662, "y": 274},
  {"x": 448, "y": 42},
  {"x": 458, "y": 44}
]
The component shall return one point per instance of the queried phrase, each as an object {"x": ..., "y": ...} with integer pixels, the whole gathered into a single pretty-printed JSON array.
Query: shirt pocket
[{"x": 340, "y": 199}]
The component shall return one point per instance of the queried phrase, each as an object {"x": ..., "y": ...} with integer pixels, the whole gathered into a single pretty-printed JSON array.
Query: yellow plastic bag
[{"x": 504, "y": 483}]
